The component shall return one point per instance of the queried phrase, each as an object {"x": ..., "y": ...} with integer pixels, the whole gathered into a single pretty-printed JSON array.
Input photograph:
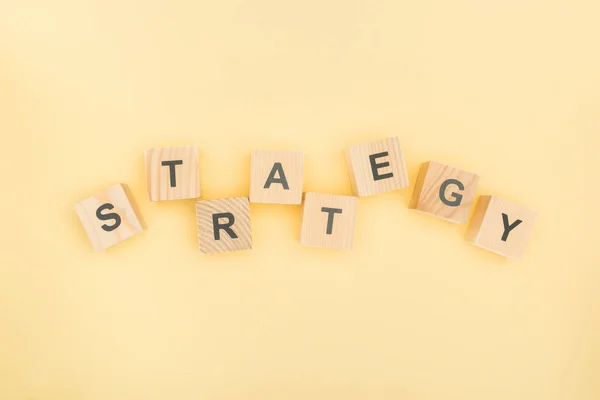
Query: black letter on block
[
  {"x": 457, "y": 197},
  {"x": 508, "y": 227},
  {"x": 331, "y": 212},
  {"x": 172, "y": 165},
  {"x": 226, "y": 226},
  {"x": 271, "y": 179},
  {"x": 106, "y": 217},
  {"x": 375, "y": 166}
]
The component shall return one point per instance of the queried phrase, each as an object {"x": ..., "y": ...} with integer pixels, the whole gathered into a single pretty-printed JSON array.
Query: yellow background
[{"x": 507, "y": 89}]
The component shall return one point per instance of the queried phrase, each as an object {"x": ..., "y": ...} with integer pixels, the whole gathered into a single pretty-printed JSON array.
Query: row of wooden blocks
[{"x": 328, "y": 220}]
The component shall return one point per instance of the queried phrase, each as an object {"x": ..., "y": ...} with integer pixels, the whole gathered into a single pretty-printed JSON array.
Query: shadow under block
[
  {"x": 224, "y": 225},
  {"x": 276, "y": 177},
  {"x": 109, "y": 217},
  {"x": 377, "y": 167},
  {"x": 501, "y": 226},
  {"x": 172, "y": 173},
  {"x": 444, "y": 192},
  {"x": 328, "y": 221}
]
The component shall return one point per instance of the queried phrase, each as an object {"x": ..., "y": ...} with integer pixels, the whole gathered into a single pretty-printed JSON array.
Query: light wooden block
[
  {"x": 377, "y": 167},
  {"x": 109, "y": 217},
  {"x": 172, "y": 173},
  {"x": 444, "y": 192},
  {"x": 328, "y": 221},
  {"x": 276, "y": 177},
  {"x": 495, "y": 226},
  {"x": 224, "y": 225}
]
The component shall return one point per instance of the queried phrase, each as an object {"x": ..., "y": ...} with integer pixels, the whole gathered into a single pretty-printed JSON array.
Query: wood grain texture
[
  {"x": 426, "y": 196},
  {"x": 239, "y": 207},
  {"x": 314, "y": 221},
  {"x": 263, "y": 161},
  {"x": 130, "y": 224},
  {"x": 361, "y": 172},
  {"x": 158, "y": 179},
  {"x": 487, "y": 227}
]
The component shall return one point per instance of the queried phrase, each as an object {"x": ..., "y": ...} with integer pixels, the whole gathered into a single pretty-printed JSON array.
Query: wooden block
[
  {"x": 224, "y": 225},
  {"x": 444, "y": 192},
  {"x": 501, "y": 226},
  {"x": 328, "y": 221},
  {"x": 109, "y": 217},
  {"x": 276, "y": 177},
  {"x": 376, "y": 167},
  {"x": 172, "y": 173}
]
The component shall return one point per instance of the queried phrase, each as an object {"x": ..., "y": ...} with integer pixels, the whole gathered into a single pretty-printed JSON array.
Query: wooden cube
[
  {"x": 501, "y": 226},
  {"x": 172, "y": 173},
  {"x": 276, "y": 177},
  {"x": 328, "y": 221},
  {"x": 224, "y": 225},
  {"x": 377, "y": 167},
  {"x": 109, "y": 217},
  {"x": 445, "y": 192}
]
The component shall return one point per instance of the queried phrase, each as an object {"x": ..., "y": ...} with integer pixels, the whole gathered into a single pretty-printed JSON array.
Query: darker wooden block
[
  {"x": 224, "y": 225},
  {"x": 444, "y": 192}
]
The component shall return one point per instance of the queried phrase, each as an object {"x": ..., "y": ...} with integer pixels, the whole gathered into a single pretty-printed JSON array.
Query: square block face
[
  {"x": 108, "y": 217},
  {"x": 224, "y": 225},
  {"x": 172, "y": 173},
  {"x": 501, "y": 226},
  {"x": 444, "y": 192},
  {"x": 276, "y": 177},
  {"x": 377, "y": 167},
  {"x": 328, "y": 221}
]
